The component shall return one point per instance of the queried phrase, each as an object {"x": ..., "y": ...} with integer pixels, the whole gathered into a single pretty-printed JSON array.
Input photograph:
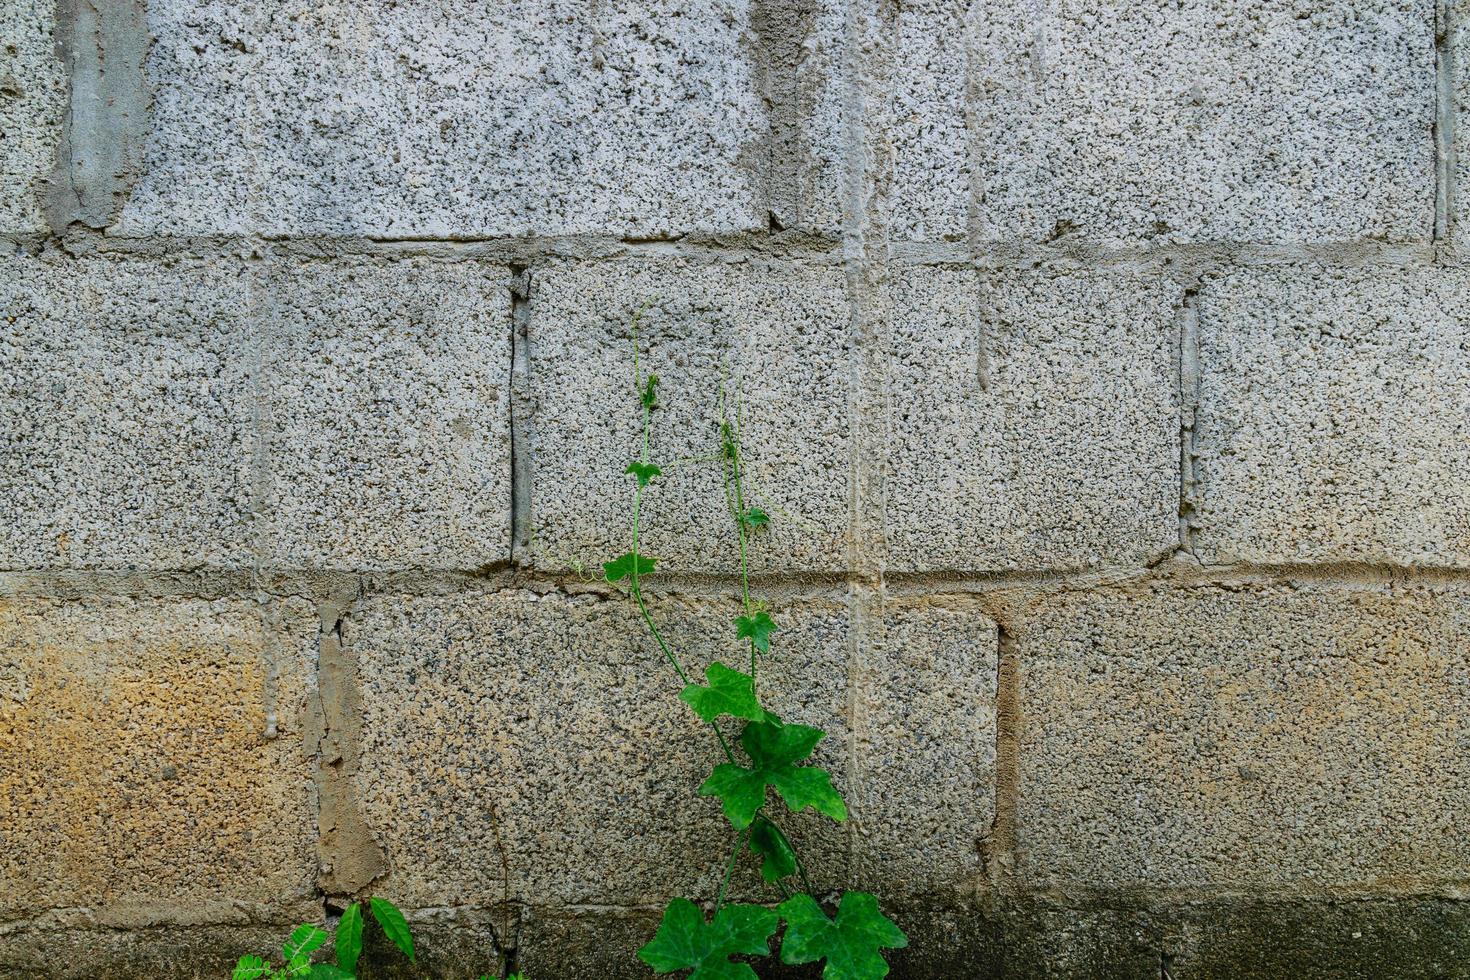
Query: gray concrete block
[
  {"x": 32, "y": 106},
  {"x": 933, "y": 159},
  {"x": 926, "y": 748},
  {"x": 385, "y": 402},
  {"x": 394, "y": 120},
  {"x": 1125, "y": 123},
  {"x": 125, "y": 414},
  {"x": 533, "y": 748},
  {"x": 1332, "y": 417},
  {"x": 1243, "y": 736},
  {"x": 1034, "y": 420},
  {"x": 778, "y": 332},
  {"x": 200, "y": 173},
  {"x": 136, "y": 778}
]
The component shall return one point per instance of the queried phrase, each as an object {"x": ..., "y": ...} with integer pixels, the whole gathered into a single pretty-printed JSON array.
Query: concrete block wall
[{"x": 1104, "y": 366}]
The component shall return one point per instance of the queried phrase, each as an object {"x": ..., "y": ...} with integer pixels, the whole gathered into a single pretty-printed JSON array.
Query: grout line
[
  {"x": 521, "y": 413},
  {"x": 1001, "y": 848},
  {"x": 1445, "y": 162},
  {"x": 1189, "y": 384}
]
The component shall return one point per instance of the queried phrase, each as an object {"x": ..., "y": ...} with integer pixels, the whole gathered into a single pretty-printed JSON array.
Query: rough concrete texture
[
  {"x": 385, "y": 406},
  {"x": 1332, "y": 417},
  {"x": 776, "y": 333},
  {"x": 219, "y": 413},
  {"x": 138, "y": 784},
  {"x": 1127, "y": 123},
  {"x": 531, "y": 748},
  {"x": 1099, "y": 364},
  {"x": 32, "y": 107},
  {"x": 1266, "y": 735},
  {"x": 411, "y": 120},
  {"x": 926, "y": 720},
  {"x": 1034, "y": 420},
  {"x": 126, "y": 399}
]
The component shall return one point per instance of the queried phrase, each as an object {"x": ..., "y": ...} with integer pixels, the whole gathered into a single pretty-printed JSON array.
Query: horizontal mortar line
[
  {"x": 1125, "y": 896},
  {"x": 319, "y": 583},
  {"x": 1061, "y": 897},
  {"x": 756, "y": 246}
]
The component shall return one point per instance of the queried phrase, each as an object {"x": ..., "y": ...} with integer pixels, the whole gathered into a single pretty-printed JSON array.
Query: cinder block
[
  {"x": 926, "y": 734},
  {"x": 136, "y": 776},
  {"x": 1126, "y": 123},
  {"x": 533, "y": 747},
  {"x": 1332, "y": 417},
  {"x": 125, "y": 414},
  {"x": 1034, "y": 420},
  {"x": 386, "y": 415},
  {"x": 1244, "y": 736},
  {"x": 456, "y": 119},
  {"x": 32, "y": 107},
  {"x": 933, "y": 162},
  {"x": 778, "y": 336}
]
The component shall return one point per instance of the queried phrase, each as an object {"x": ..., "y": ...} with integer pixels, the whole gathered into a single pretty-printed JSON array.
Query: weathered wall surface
[{"x": 1108, "y": 362}]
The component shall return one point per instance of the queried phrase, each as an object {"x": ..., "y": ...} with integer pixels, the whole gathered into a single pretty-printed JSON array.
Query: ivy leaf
[
  {"x": 648, "y": 397},
  {"x": 729, "y": 693},
  {"x": 625, "y": 565},
  {"x": 303, "y": 940},
  {"x": 395, "y": 926},
  {"x": 778, "y": 857},
  {"x": 849, "y": 945},
  {"x": 645, "y": 472},
  {"x": 326, "y": 971},
  {"x": 754, "y": 517},
  {"x": 774, "y": 749},
  {"x": 757, "y": 629},
  {"x": 685, "y": 941},
  {"x": 249, "y": 968},
  {"x": 349, "y": 938}
]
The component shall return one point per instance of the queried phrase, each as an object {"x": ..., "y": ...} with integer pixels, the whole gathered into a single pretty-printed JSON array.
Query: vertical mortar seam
[
  {"x": 1443, "y": 128},
  {"x": 1003, "y": 854},
  {"x": 520, "y": 413},
  {"x": 1189, "y": 384}
]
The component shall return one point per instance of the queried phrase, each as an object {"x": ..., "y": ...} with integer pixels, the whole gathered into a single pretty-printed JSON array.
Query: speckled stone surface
[
  {"x": 1131, "y": 123},
  {"x": 411, "y": 120},
  {"x": 126, "y": 406},
  {"x": 926, "y": 714},
  {"x": 1244, "y": 736},
  {"x": 384, "y": 408},
  {"x": 1033, "y": 420},
  {"x": 533, "y": 748},
  {"x": 136, "y": 781},
  {"x": 1334, "y": 418},
  {"x": 778, "y": 334},
  {"x": 32, "y": 107}
]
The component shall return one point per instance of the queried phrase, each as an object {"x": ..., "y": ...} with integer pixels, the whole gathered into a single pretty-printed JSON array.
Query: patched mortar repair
[{"x": 587, "y": 474}]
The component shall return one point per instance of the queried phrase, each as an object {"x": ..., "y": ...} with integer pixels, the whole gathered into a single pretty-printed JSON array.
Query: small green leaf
[
  {"x": 648, "y": 397},
  {"x": 303, "y": 940},
  {"x": 754, "y": 517},
  {"x": 774, "y": 749},
  {"x": 685, "y": 941},
  {"x": 849, "y": 945},
  {"x": 645, "y": 472},
  {"x": 729, "y": 693},
  {"x": 624, "y": 565},
  {"x": 326, "y": 971},
  {"x": 778, "y": 857},
  {"x": 249, "y": 968},
  {"x": 349, "y": 938},
  {"x": 299, "y": 965},
  {"x": 757, "y": 629},
  {"x": 395, "y": 926}
]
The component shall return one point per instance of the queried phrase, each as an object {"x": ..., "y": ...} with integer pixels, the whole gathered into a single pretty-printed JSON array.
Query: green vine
[{"x": 773, "y": 755}]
